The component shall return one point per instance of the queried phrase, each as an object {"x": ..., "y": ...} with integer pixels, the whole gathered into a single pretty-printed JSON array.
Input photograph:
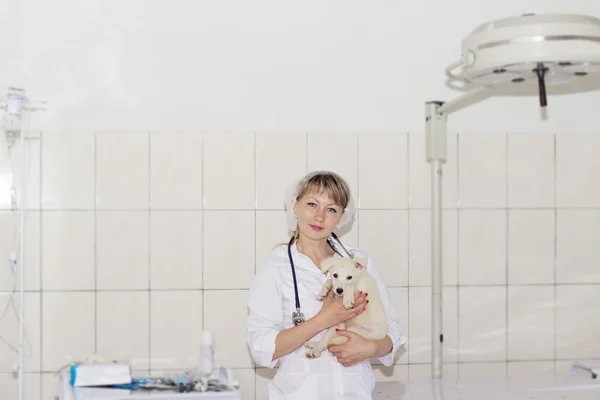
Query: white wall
[
  {"x": 308, "y": 66},
  {"x": 136, "y": 241}
]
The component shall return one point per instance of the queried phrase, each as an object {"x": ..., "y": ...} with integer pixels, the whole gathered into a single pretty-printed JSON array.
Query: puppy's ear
[
  {"x": 360, "y": 263},
  {"x": 326, "y": 264}
]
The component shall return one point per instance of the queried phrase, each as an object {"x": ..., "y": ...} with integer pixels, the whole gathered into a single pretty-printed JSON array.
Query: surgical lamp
[{"x": 541, "y": 50}]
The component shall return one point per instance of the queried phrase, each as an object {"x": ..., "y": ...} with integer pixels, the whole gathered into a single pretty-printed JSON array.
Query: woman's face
[{"x": 317, "y": 215}]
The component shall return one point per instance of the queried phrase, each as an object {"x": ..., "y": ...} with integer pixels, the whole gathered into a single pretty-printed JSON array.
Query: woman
[{"x": 316, "y": 205}]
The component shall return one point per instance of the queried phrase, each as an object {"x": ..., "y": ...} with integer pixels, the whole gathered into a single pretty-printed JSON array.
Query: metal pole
[{"x": 436, "y": 149}]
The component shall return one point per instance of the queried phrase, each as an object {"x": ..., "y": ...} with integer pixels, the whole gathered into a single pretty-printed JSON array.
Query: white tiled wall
[{"x": 137, "y": 241}]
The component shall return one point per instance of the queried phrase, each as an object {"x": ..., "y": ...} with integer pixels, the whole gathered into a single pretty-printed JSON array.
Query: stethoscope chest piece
[{"x": 297, "y": 317}]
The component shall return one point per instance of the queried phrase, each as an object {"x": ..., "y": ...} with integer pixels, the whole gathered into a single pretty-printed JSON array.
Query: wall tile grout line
[
  {"x": 149, "y": 326},
  {"x": 473, "y": 285},
  {"x": 458, "y": 215},
  {"x": 407, "y": 160},
  {"x": 255, "y": 231},
  {"x": 203, "y": 213},
  {"x": 357, "y": 195},
  {"x": 255, "y": 201},
  {"x": 555, "y": 169},
  {"x": 96, "y": 181},
  {"x": 506, "y": 247},
  {"x": 573, "y": 284},
  {"x": 457, "y": 233},
  {"x": 74, "y": 210},
  {"x": 570, "y": 284},
  {"x": 40, "y": 260},
  {"x": 43, "y": 372}
]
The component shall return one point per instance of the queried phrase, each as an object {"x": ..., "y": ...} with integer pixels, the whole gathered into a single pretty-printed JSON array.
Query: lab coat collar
[
  {"x": 314, "y": 279},
  {"x": 302, "y": 261}
]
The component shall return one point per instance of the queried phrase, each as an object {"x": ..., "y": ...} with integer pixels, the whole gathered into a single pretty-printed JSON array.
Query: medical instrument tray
[{"x": 67, "y": 392}]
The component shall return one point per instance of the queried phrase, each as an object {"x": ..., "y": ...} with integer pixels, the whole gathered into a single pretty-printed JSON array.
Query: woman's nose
[{"x": 320, "y": 215}]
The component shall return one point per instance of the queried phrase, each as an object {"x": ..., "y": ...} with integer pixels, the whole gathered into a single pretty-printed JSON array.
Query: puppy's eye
[
  {"x": 335, "y": 275},
  {"x": 350, "y": 277}
]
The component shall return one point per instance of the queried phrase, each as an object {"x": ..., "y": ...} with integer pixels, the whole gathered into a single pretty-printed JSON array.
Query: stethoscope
[{"x": 298, "y": 316}]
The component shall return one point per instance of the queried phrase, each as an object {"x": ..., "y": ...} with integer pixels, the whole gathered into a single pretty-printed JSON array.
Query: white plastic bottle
[{"x": 206, "y": 354}]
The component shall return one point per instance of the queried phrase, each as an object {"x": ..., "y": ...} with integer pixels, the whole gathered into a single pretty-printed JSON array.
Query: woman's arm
[
  {"x": 332, "y": 313},
  {"x": 358, "y": 349},
  {"x": 290, "y": 339},
  {"x": 265, "y": 316},
  {"x": 382, "y": 346}
]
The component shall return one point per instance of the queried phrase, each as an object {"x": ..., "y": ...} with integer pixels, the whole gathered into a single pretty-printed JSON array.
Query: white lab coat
[{"x": 271, "y": 303}]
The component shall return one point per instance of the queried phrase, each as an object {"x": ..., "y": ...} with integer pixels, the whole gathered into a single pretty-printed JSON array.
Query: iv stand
[{"x": 15, "y": 103}]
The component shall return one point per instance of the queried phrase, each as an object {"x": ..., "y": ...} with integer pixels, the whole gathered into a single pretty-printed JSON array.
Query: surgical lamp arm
[{"x": 471, "y": 97}]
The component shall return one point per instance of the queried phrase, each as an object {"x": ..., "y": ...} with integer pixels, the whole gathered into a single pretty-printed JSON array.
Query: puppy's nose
[{"x": 339, "y": 290}]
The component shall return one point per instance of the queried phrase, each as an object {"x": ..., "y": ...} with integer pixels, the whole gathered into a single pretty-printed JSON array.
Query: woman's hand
[
  {"x": 333, "y": 311},
  {"x": 355, "y": 350}
]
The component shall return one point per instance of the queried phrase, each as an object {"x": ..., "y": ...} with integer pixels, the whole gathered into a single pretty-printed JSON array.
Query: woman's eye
[{"x": 333, "y": 210}]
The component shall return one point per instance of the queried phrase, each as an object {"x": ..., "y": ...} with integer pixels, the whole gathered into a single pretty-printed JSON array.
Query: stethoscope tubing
[{"x": 298, "y": 313}]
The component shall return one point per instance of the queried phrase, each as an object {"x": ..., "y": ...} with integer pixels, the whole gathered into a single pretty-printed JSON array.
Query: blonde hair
[{"x": 322, "y": 182}]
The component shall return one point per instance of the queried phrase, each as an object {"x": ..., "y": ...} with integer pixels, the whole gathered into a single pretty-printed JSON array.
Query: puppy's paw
[
  {"x": 349, "y": 304},
  {"x": 321, "y": 296},
  {"x": 310, "y": 345},
  {"x": 313, "y": 354}
]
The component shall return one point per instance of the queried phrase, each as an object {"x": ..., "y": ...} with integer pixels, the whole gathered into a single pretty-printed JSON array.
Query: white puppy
[{"x": 348, "y": 276}]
